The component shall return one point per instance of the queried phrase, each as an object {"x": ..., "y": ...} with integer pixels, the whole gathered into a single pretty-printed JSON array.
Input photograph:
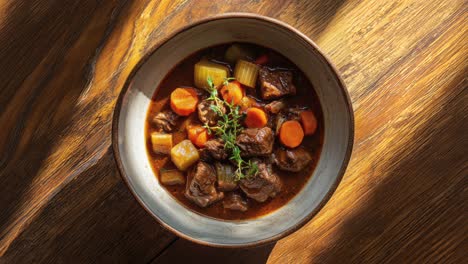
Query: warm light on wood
[{"x": 63, "y": 64}]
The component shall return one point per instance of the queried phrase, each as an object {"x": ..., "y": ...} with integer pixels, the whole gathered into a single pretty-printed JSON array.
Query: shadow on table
[
  {"x": 44, "y": 77},
  {"x": 32, "y": 59},
  {"x": 415, "y": 211},
  {"x": 184, "y": 251}
]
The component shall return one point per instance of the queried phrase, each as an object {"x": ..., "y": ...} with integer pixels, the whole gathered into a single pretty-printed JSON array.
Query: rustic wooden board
[{"x": 63, "y": 63}]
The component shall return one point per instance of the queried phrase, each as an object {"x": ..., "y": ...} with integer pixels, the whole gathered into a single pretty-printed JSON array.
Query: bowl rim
[{"x": 230, "y": 15}]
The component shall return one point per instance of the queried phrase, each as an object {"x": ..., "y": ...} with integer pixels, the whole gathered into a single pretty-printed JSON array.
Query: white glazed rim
[{"x": 330, "y": 191}]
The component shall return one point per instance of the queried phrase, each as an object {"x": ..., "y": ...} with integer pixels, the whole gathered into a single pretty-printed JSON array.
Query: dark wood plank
[
  {"x": 62, "y": 65},
  {"x": 105, "y": 227}
]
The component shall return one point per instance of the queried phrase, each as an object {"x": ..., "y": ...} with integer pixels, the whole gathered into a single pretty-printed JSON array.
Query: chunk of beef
[
  {"x": 214, "y": 150},
  {"x": 165, "y": 120},
  {"x": 200, "y": 186},
  {"x": 276, "y": 106},
  {"x": 275, "y": 84},
  {"x": 285, "y": 115},
  {"x": 205, "y": 155},
  {"x": 292, "y": 159},
  {"x": 226, "y": 177},
  {"x": 206, "y": 114},
  {"x": 271, "y": 123},
  {"x": 255, "y": 141},
  {"x": 234, "y": 201},
  {"x": 262, "y": 186}
]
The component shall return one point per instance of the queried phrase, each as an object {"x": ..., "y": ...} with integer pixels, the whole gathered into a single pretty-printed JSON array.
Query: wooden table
[{"x": 403, "y": 197}]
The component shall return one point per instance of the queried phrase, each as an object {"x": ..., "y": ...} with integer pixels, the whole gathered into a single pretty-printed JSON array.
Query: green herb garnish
[
  {"x": 227, "y": 80},
  {"x": 228, "y": 128}
]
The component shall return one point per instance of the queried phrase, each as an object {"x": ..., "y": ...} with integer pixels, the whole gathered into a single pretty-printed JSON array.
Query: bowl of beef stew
[{"x": 233, "y": 131}]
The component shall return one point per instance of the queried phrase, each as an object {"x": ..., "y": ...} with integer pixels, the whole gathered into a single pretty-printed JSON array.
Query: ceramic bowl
[{"x": 129, "y": 138}]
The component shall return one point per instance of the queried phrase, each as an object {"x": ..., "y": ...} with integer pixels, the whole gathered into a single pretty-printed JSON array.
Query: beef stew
[{"x": 234, "y": 131}]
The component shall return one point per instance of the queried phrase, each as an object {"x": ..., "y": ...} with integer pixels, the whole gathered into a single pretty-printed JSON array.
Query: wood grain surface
[{"x": 403, "y": 197}]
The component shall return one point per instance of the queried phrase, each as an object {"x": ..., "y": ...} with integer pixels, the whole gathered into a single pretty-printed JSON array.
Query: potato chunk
[
  {"x": 162, "y": 142},
  {"x": 171, "y": 177},
  {"x": 205, "y": 69},
  {"x": 184, "y": 154},
  {"x": 246, "y": 73}
]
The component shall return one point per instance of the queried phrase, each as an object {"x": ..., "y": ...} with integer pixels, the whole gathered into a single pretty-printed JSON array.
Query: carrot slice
[
  {"x": 256, "y": 118},
  {"x": 291, "y": 134},
  {"x": 198, "y": 135},
  {"x": 232, "y": 92},
  {"x": 309, "y": 122},
  {"x": 184, "y": 101},
  {"x": 202, "y": 138}
]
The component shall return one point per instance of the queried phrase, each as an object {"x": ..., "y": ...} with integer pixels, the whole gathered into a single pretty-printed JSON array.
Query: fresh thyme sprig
[
  {"x": 228, "y": 128},
  {"x": 227, "y": 80}
]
